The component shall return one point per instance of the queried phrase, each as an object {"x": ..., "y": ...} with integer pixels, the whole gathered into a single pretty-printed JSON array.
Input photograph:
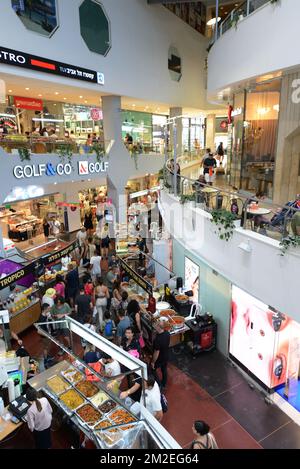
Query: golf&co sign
[{"x": 62, "y": 169}]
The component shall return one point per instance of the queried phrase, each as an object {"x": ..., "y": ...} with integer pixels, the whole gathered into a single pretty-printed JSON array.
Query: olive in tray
[{"x": 108, "y": 406}]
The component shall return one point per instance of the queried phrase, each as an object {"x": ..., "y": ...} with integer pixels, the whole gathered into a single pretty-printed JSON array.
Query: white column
[
  {"x": 210, "y": 131},
  {"x": 177, "y": 112}
]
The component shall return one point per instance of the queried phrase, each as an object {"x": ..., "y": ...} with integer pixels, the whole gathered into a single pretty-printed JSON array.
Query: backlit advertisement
[
  {"x": 191, "y": 278},
  {"x": 261, "y": 338}
]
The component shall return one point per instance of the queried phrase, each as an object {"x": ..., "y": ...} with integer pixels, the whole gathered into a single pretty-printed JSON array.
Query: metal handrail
[
  {"x": 186, "y": 181},
  {"x": 249, "y": 7}
]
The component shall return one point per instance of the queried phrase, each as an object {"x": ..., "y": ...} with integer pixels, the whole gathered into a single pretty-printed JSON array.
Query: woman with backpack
[{"x": 204, "y": 439}]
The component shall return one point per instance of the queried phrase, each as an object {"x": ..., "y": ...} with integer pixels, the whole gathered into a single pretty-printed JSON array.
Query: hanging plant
[
  {"x": 224, "y": 222},
  {"x": 24, "y": 154},
  {"x": 289, "y": 242},
  {"x": 99, "y": 150},
  {"x": 65, "y": 153},
  {"x": 184, "y": 198}
]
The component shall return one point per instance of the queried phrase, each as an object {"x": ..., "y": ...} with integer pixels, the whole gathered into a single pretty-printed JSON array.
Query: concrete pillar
[
  {"x": 176, "y": 112},
  {"x": 119, "y": 155},
  {"x": 210, "y": 131}
]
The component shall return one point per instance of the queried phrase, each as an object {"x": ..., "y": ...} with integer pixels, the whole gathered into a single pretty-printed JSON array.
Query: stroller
[{"x": 278, "y": 221}]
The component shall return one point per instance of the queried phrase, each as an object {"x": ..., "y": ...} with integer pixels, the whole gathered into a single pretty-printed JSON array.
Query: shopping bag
[{"x": 142, "y": 342}]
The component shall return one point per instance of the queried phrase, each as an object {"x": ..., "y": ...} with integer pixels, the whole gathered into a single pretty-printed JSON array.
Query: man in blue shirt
[{"x": 122, "y": 326}]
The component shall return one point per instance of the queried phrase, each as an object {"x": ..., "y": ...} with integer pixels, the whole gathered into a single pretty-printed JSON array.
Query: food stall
[
  {"x": 19, "y": 294},
  {"x": 92, "y": 407},
  {"x": 141, "y": 289}
]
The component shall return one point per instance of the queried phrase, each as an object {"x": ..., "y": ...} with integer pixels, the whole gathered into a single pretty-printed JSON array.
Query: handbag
[{"x": 141, "y": 342}]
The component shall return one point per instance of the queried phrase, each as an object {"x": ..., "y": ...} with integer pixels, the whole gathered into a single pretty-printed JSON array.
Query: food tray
[
  {"x": 108, "y": 406},
  {"x": 69, "y": 397},
  {"x": 57, "y": 385},
  {"x": 98, "y": 399},
  {"x": 96, "y": 416},
  {"x": 120, "y": 416},
  {"x": 177, "y": 322},
  {"x": 72, "y": 375},
  {"x": 182, "y": 299},
  {"x": 110, "y": 437},
  {"x": 87, "y": 388}
]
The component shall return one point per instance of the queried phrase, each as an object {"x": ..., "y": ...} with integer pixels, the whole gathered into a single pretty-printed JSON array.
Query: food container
[
  {"x": 87, "y": 388},
  {"x": 98, "y": 399},
  {"x": 71, "y": 399},
  {"x": 72, "y": 375},
  {"x": 108, "y": 406},
  {"x": 88, "y": 414},
  {"x": 57, "y": 385},
  {"x": 110, "y": 437},
  {"x": 182, "y": 299},
  {"x": 162, "y": 305},
  {"x": 167, "y": 313},
  {"x": 177, "y": 322},
  {"x": 120, "y": 416}
]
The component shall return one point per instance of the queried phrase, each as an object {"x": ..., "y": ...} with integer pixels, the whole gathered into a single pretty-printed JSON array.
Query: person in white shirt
[
  {"x": 39, "y": 418},
  {"x": 95, "y": 263},
  {"x": 153, "y": 398},
  {"x": 112, "y": 368},
  {"x": 81, "y": 238}
]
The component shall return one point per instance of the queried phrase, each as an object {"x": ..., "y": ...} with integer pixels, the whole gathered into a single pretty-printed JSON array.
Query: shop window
[
  {"x": 39, "y": 16},
  {"x": 94, "y": 27},
  {"x": 174, "y": 64}
]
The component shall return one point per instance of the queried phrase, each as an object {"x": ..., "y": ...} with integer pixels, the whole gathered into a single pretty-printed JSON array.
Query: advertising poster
[
  {"x": 191, "y": 278},
  {"x": 262, "y": 339}
]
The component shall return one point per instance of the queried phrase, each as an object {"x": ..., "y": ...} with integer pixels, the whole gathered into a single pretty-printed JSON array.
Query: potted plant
[
  {"x": 185, "y": 198},
  {"x": 289, "y": 242},
  {"x": 24, "y": 154},
  {"x": 225, "y": 223},
  {"x": 65, "y": 152}
]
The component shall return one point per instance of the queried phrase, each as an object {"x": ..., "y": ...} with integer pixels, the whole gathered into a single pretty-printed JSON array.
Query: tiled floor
[
  {"x": 206, "y": 388},
  {"x": 267, "y": 424}
]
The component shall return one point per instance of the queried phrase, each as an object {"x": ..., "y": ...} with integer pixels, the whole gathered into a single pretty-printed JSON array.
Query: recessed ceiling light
[
  {"x": 56, "y": 92},
  {"x": 54, "y": 104},
  {"x": 10, "y": 91},
  {"x": 27, "y": 89},
  {"x": 85, "y": 101},
  {"x": 80, "y": 97},
  {"x": 40, "y": 95},
  {"x": 133, "y": 105},
  {"x": 65, "y": 98}
]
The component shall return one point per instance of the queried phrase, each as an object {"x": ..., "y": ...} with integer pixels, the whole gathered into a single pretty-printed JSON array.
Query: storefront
[
  {"x": 255, "y": 127},
  {"x": 265, "y": 343}
]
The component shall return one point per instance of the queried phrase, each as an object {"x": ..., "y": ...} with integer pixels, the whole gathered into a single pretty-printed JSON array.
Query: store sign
[
  {"x": 59, "y": 254},
  {"x": 84, "y": 167},
  {"x": 96, "y": 114},
  {"x": 136, "y": 277},
  {"x": 18, "y": 275},
  {"x": 61, "y": 169},
  {"x": 28, "y": 103},
  {"x": 40, "y": 64}
]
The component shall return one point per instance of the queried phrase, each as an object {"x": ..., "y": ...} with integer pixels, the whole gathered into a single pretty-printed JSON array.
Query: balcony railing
[
  {"x": 266, "y": 218},
  {"x": 242, "y": 11}
]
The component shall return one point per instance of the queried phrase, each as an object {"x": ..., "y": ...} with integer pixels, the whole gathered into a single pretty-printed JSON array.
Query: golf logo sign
[{"x": 62, "y": 169}]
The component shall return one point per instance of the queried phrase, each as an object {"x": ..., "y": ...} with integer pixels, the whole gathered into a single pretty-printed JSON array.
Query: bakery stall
[{"x": 92, "y": 407}]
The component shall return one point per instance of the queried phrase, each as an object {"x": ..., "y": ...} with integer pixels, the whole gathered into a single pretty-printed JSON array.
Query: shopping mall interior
[{"x": 149, "y": 225}]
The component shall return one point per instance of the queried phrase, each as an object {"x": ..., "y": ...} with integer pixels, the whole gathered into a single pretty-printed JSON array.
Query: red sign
[
  {"x": 28, "y": 103},
  {"x": 96, "y": 114},
  {"x": 224, "y": 125},
  {"x": 230, "y": 109}
]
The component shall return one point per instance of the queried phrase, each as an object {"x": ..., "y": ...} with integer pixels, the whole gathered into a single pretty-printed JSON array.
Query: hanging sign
[
  {"x": 50, "y": 258},
  {"x": 136, "y": 277},
  {"x": 18, "y": 275},
  {"x": 40, "y": 64},
  {"x": 96, "y": 114}
]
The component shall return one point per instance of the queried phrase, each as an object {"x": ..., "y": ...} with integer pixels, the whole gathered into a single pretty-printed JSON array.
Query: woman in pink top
[
  {"x": 39, "y": 418},
  {"x": 60, "y": 286}
]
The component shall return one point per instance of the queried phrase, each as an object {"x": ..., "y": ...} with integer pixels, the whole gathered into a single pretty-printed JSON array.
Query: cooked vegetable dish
[
  {"x": 71, "y": 399},
  {"x": 87, "y": 388}
]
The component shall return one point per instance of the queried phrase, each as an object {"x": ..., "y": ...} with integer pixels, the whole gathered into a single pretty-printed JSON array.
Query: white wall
[
  {"x": 137, "y": 64},
  {"x": 264, "y": 42},
  {"x": 263, "y": 273}
]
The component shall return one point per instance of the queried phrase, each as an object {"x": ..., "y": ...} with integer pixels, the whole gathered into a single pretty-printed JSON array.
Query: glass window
[
  {"x": 94, "y": 26},
  {"x": 138, "y": 125},
  {"x": 39, "y": 16},
  {"x": 174, "y": 64}
]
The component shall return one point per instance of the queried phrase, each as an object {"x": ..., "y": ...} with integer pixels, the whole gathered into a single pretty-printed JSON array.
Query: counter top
[{"x": 7, "y": 427}]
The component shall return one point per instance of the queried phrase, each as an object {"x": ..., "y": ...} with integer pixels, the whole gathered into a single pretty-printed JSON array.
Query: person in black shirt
[
  {"x": 129, "y": 341},
  {"x": 160, "y": 356},
  {"x": 209, "y": 163},
  {"x": 134, "y": 388},
  {"x": 134, "y": 314},
  {"x": 72, "y": 284},
  {"x": 83, "y": 305}
]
